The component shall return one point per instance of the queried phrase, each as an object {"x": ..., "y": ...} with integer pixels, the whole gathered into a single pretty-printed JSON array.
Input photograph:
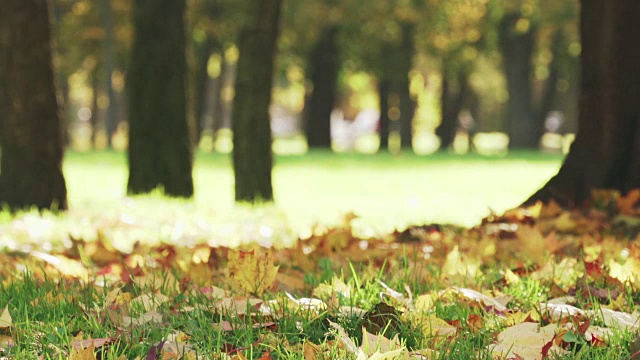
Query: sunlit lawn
[{"x": 386, "y": 191}]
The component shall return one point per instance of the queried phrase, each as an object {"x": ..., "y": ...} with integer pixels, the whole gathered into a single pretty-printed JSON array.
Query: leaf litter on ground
[{"x": 534, "y": 283}]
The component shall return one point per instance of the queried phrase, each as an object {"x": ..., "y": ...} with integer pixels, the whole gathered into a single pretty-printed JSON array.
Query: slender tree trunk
[
  {"x": 159, "y": 141},
  {"x": 60, "y": 75},
  {"x": 252, "y": 156},
  {"x": 550, "y": 89},
  {"x": 200, "y": 83},
  {"x": 517, "y": 51},
  {"x": 216, "y": 106},
  {"x": 454, "y": 93},
  {"x": 324, "y": 66},
  {"x": 407, "y": 105},
  {"x": 384, "y": 92},
  {"x": 31, "y": 160},
  {"x": 108, "y": 53},
  {"x": 606, "y": 152},
  {"x": 95, "y": 87}
]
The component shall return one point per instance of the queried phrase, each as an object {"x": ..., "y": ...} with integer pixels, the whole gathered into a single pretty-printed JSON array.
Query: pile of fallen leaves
[{"x": 587, "y": 260}]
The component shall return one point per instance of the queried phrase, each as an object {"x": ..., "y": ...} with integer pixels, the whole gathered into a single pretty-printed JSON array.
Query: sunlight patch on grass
[{"x": 386, "y": 191}]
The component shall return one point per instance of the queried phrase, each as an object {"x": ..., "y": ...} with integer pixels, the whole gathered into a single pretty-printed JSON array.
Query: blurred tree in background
[
  {"x": 423, "y": 66},
  {"x": 252, "y": 157},
  {"x": 92, "y": 43},
  {"x": 160, "y": 146},
  {"x": 30, "y": 134}
]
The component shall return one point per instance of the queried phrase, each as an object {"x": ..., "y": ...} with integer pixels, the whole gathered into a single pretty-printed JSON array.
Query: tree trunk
[
  {"x": 108, "y": 53},
  {"x": 324, "y": 68},
  {"x": 95, "y": 88},
  {"x": 517, "y": 51},
  {"x": 454, "y": 92},
  {"x": 385, "y": 123},
  {"x": 31, "y": 160},
  {"x": 606, "y": 152},
  {"x": 252, "y": 156},
  {"x": 159, "y": 142},
  {"x": 550, "y": 89},
  {"x": 407, "y": 105},
  {"x": 200, "y": 83}
]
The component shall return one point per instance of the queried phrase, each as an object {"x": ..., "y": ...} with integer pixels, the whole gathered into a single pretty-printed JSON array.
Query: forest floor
[{"x": 150, "y": 278}]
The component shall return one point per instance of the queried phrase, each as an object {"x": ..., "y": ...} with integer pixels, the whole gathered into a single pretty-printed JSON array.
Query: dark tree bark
[
  {"x": 550, "y": 93},
  {"x": 385, "y": 123},
  {"x": 517, "y": 51},
  {"x": 108, "y": 54},
  {"x": 95, "y": 88},
  {"x": 606, "y": 152},
  {"x": 396, "y": 63},
  {"x": 200, "y": 83},
  {"x": 252, "y": 155},
  {"x": 407, "y": 104},
  {"x": 160, "y": 153},
  {"x": 324, "y": 69},
  {"x": 454, "y": 93},
  {"x": 31, "y": 162}
]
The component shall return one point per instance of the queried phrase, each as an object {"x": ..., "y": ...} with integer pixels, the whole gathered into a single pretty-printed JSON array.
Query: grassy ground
[
  {"x": 386, "y": 190},
  {"x": 149, "y": 278}
]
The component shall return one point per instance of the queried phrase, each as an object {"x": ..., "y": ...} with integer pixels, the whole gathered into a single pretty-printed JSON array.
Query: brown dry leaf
[
  {"x": 311, "y": 350},
  {"x": 102, "y": 252},
  {"x": 476, "y": 322},
  {"x": 265, "y": 356},
  {"x": 175, "y": 350},
  {"x": 627, "y": 204},
  {"x": 251, "y": 271},
  {"x": 550, "y": 210},
  {"x": 381, "y": 318},
  {"x": 6, "y": 342}
]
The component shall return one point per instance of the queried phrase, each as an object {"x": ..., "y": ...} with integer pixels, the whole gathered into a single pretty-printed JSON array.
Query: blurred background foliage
[{"x": 415, "y": 73}]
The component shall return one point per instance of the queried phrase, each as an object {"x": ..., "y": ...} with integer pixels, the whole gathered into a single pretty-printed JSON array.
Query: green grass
[
  {"x": 387, "y": 191},
  {"x": 48, "y": 310}
]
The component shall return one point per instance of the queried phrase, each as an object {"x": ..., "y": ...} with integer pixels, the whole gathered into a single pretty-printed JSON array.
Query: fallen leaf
[
  {"x": 5, "y": 318},
  {"x": 251, "y": 271},
  {"x": 525, "y": 341}
]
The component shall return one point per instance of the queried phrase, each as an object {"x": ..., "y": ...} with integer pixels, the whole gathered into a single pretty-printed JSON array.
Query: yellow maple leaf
[
  {"x": 87, "y": 353},
  {"x": 251, "y": 271}
]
